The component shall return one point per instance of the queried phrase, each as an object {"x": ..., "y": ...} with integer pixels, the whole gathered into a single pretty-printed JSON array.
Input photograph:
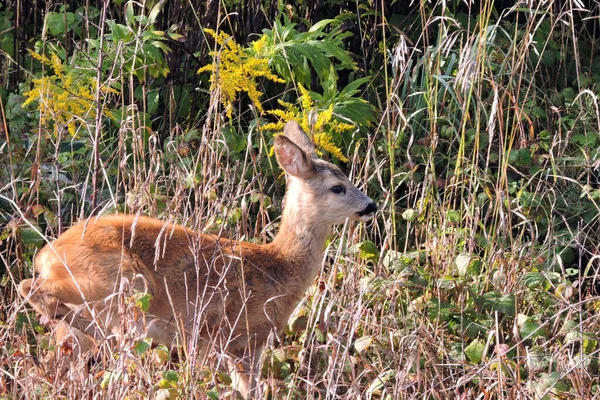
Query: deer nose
[{"x": 369, "y": 210}]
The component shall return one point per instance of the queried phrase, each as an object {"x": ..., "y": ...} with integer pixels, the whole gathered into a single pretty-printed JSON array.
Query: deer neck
[{"x": 301, "y": 238}]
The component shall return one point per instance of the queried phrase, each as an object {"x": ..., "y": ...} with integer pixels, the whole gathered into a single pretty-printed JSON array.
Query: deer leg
[{"x": 245, "y": 374}]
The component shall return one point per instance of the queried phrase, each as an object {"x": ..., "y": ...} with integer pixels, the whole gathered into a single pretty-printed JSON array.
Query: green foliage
[
  {"x": 293, "y": 54},
  {"x": 475, "y": 129},
  {"x": 6, "y": 31}
]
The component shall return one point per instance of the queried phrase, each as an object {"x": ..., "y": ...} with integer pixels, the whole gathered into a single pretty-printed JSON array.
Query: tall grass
[{"x": 477, "y": 279}]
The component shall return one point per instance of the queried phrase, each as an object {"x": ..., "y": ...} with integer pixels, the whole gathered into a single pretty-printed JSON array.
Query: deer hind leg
[
  {"x": 71, "y": 340},
  {"x": 72, "y": 351},
  {"x": 245, "y": 374}
]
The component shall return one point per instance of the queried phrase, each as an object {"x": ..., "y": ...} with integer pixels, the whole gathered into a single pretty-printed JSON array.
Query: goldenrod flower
[
  {"x": 234, "y": 71},
  {"x": 64, "y": 100},
  {"x": 324, "y": 128}
]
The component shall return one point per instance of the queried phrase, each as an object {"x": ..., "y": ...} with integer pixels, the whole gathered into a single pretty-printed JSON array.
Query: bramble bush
[{"x": 474, "y": 126}]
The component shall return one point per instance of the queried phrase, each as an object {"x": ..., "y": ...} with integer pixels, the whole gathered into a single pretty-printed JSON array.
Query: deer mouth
[{"x": 367, "y": 213}]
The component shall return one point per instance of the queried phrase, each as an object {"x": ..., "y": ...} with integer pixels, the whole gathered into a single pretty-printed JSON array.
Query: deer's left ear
[
  {"x": 294, "y": 132},
  {"x": 292, "y": 159}
]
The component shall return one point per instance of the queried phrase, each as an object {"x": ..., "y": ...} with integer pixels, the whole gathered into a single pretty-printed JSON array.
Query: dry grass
[{"x": 483, "y": 278}]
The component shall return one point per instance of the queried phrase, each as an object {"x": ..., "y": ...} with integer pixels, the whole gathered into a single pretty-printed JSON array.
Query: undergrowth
[{"x": 475, "y": 128}]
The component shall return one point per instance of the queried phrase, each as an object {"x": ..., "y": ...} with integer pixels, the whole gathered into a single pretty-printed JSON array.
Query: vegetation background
[{"x": 475, "y": 126}]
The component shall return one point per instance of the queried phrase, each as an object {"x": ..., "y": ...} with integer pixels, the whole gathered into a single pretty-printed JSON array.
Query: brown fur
[{"x": 221, "y": 286}]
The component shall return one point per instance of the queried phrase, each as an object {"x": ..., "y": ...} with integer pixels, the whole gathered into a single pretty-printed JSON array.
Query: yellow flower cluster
[
  {"x": 62, "y": 100},
  {"x": 322, "y": 126},
  {"x": 234, "y": 71}
]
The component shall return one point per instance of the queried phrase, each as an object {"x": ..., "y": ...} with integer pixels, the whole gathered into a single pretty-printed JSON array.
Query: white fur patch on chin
[{"x": 366, "y": 217}]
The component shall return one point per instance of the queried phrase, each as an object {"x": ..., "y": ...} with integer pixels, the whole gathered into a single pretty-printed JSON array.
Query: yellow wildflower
[
  {"x": 57, "y": 66},
  {"x": 64, "y": 99},
  {"x": 324, "y": 142},
  {"x": 305, "y": 99},
  {"x": 321, "y": 124},
  {"x": 234, "y": 71}
]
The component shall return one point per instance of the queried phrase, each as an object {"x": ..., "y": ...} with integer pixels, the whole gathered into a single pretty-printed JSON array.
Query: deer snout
[{"x": 368, "y": 212}]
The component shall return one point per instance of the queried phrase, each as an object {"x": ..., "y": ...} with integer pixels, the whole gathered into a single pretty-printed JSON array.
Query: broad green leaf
[
  {"x": 161, "y": 355},
  {"x": 129, "y": 15},
  {"x": 142, "y": 300},
  {"x": 474, "y": 351},
  {"x": 107, "y": 379},
  {"x": 378, "y": 382},
  {"x": 503, "y": 303},
  {"x": 589, "y": 345},
  {"x": 369, "y": 251},
  {"x": 155, "y": 11},
  {"x": 142, "y": 346},
  {"x": 548, "y": 385},
  {"x": 224, "y": 377},
  {"x": 534, "y": 280},
  {"x": 530, "y": 328},
  {"x": 277, "y": 355},
  {"x": 31, "y": 236},
  {"x": 55, "y": 23},
  {"x": 410, "y": 214},
  {"x": 169, "y": 380},
  {"x": 439, "y": 310},
  {"x": 152, "y": 101},
  {"x": 453, "y": 216},
  {"x": 213, "y": 395}
]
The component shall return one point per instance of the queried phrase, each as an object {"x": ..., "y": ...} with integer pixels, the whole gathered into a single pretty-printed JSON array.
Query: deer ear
[
  {"x": 293, "y": 132},
  {"x": 291, "y": 158}
]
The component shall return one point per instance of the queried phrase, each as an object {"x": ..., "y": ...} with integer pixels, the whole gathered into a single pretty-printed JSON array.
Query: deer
[{"x": 218, "y": 285}]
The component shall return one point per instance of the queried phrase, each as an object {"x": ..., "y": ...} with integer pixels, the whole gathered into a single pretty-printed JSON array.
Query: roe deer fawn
[{"x": 199, "y": 281}]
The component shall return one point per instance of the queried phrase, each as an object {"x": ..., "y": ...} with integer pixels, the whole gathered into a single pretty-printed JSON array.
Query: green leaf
[
  {"x": 142, "y": 346},
  {"x": 142, "y": 300},
  {"x": 453, "y": 216},
  {"x": 31, "y": 236},
  {"x": 589, "y": 345},
  {"x": 520, "y": 157},
  {"x": 213, "y": 395},
  {"x": 107, "y": 379},
  {"x": 161, "y": 355},
  {"x": 474, "y": 351},
  {"x": 503, "y": 303},
  {"x": 235, "y": 143},
  {"x": 539, "y": 112},
  {"x": 152, "y": 101},
  {"x": 439, "y": 310},
  {"x": 155, "y": 11},
  {"x": 587, "y": 140},
  {"x": 392, "y": 259},
  {"x": 548, "y": 385},
  {"x": 298, "y": 324},
  {"x": 410, "y": 214},
  {"x": 225, "y": 378},
  {"x": 55, "y": 23},
  {"x": 169, "y": 380},
  {"x": 569, "y": 94},
  {"x": 369, "y": 251},
  {"x": 536, "y": 280},
  {"x": 379, "y": 382},
  {"x": 530, "y": 328},
  {"x": 119, "y": 32}
]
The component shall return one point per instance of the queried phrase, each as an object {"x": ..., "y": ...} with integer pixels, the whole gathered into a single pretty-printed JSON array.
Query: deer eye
[{"x": 338, "y": 189}]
